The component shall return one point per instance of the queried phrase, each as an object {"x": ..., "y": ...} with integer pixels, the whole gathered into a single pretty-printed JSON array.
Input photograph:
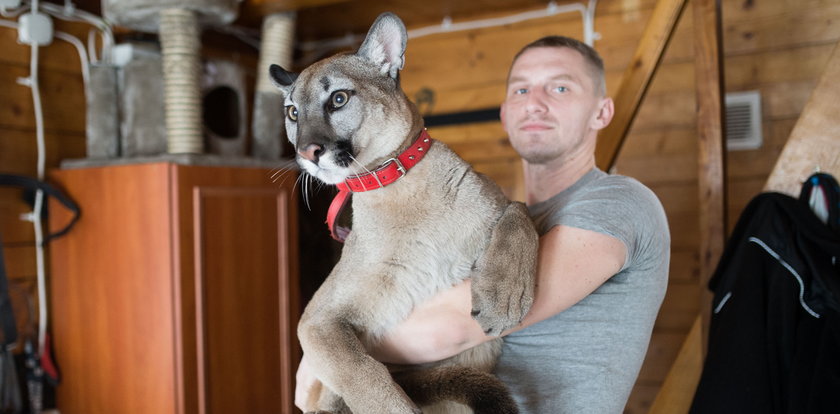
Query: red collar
[{"x": 390, "y": 171}]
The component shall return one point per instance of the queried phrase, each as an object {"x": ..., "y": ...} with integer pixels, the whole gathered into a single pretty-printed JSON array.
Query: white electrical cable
[
  {"x": 71, "y": 13},
  {"x": 80, "y": 48},
  {"x": 587, "y": 12},
  {"x": 11, "y": 14},
  {"x": 37, "y": 210},
  {"x": 9, "y": 24},
  {"x": 76, "y": 15}
]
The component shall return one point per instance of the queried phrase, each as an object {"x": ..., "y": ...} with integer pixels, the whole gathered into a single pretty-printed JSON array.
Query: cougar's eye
[
  {"x": 339, "y": 98},
  {"x": 292, "y": 112}
]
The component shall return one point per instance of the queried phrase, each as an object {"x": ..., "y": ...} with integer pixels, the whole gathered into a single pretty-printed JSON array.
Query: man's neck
[{"x": 543, "y": 181}]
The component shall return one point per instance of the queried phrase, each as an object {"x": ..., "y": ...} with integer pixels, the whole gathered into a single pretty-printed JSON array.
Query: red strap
[{"x": 337, "y": 232}]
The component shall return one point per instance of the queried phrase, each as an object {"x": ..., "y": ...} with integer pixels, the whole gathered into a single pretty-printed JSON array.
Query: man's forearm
[{"x": 437, "y": 329}]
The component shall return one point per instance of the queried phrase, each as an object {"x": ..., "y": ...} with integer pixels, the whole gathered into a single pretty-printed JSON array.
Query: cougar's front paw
[{"x": 498, "y": 308}]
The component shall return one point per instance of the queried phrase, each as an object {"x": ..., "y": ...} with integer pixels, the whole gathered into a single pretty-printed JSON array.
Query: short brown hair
[{"x": 592, "y": 58}]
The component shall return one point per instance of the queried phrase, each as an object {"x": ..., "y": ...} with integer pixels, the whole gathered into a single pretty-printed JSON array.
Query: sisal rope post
[
  {"x": 180, "y": 46},
  {"x": 278, "y": 31}
]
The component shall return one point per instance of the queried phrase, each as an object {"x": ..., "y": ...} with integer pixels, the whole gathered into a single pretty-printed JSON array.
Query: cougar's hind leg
[
  {"x": 479, "y": 390},
  {"x": 343, "y": 365},
  {"x": 503, "y": 279}
]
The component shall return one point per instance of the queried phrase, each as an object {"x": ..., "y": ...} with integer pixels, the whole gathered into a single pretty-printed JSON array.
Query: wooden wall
[
  {"x": 778, "y": 47},
  {"x": 63, "y": 98},
  {"x": 63, "y": 101}
]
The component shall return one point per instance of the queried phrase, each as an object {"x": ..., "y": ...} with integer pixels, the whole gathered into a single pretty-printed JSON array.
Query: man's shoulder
[{"x": 620, "y": 187}]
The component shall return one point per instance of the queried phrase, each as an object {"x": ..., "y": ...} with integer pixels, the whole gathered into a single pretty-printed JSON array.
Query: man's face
[{"x": 551, "y": 110}]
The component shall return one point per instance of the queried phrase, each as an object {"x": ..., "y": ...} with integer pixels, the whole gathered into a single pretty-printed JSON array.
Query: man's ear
[
  {"x": 281, "y": 78},
  {"x": 606, "y": 110},
  {"x": 385, "y": 44}
]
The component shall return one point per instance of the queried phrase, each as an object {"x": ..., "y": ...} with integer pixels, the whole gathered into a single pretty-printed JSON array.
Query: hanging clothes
[{"x": 774, "y": 338}]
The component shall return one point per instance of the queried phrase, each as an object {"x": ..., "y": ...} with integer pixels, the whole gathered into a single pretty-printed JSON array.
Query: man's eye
[
  {"x": 520, "y": 91},
  {"x": 561, "y": 89}
]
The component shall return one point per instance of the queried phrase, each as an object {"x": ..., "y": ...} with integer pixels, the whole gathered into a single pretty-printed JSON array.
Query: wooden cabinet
[{"x": 176, "y": 291}]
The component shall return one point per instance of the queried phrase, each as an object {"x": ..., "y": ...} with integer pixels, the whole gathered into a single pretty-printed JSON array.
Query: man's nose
[
  {"x": 312, "y": 152},
  {"x": 535, "y": 101}
]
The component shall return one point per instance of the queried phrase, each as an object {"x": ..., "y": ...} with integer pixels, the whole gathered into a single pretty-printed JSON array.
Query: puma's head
[{"x": 347, "y": 113}]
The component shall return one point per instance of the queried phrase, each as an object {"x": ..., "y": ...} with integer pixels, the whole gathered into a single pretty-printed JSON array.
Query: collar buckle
[{"x": 397, "y": 161}]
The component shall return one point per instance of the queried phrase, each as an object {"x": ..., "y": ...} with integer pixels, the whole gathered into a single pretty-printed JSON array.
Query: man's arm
[{"x": 572, "y": 263}]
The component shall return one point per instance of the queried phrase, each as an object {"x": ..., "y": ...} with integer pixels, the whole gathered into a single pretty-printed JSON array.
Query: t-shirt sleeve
[{"x": 623, "y": 208}]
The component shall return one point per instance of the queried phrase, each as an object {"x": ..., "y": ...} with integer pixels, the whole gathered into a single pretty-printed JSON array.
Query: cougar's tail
[{"x": 479, "y": 390}]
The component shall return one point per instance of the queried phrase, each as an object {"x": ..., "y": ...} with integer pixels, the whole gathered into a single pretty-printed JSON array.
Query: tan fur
[{"x": 438, "y": 225}]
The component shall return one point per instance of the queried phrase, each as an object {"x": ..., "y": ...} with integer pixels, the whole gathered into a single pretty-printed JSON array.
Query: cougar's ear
[
  {"x": 280, "y": 77},
  {"x": 385, "y": 44}
]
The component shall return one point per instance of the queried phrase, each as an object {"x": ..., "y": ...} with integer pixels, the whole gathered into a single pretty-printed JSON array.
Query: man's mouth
[{"x": 535, "y": 126}]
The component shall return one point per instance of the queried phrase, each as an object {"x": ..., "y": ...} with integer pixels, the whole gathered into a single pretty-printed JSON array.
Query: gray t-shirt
[{"x": 586, "y": 358}]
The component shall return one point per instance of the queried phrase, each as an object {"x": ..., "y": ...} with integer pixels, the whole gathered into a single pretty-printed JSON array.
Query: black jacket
[{"x": 774, "y": 340}]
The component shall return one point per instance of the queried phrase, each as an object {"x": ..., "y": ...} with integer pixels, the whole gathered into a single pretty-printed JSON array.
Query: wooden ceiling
[{"x": 323, "y": 19}]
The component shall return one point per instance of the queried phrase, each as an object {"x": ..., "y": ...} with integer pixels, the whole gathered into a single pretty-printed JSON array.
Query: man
[{"x": 603, "y": 259}]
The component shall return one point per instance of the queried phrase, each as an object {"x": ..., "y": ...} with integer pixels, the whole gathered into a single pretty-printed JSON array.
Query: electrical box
[{"x": 35, "y": 28}]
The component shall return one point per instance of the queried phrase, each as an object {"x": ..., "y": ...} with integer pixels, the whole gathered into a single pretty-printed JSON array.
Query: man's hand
[{"x": 307, "y": 387}]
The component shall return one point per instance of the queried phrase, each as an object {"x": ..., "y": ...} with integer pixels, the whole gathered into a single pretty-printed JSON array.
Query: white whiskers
[
  {"x": 352, "y": 158},
  {"x": 282, "y": 171}
]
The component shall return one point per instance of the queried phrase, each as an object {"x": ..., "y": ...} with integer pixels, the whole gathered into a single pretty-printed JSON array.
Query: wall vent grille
[{"x": 743, "y": 120}]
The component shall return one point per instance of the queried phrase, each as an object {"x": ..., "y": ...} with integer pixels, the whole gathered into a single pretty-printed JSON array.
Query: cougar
[{"x": 423, "y": 220}]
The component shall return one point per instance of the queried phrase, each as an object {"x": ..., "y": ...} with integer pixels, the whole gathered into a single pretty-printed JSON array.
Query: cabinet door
[
  {"x": 111, "y": 292},
  {"x": 242, "y": 235}
]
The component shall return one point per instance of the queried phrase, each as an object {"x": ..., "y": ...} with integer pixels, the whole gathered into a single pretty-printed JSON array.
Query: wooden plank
[
  {"x": 20, "y": 261},
  {"x": 641, "y": 397},
  {"x": 18, "y": 153},
  {"x": 783, "y": 29},
  {"x": 637, "y": 78},
  {"x": 813, "y": 143},
  {"x": 663, "y": 350},
  {"x": 680, "y": 307},
  {"x": 62, "y": 97},
  {"x": 684, "y": 267},
  {"x": 751, "y": 10},
  {"x": 712, "y": 151},
  {"x": 678, "y": 389},
  {"x": 13, "y": 229}
]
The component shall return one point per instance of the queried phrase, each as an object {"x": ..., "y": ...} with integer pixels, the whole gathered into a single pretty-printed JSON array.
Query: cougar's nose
[{"x": 312, "y": 152}]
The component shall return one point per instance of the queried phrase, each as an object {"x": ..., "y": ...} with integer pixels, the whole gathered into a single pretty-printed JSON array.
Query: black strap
[
  {"x": 34, "y": 184},
  {"x": 7, "y": 316}
]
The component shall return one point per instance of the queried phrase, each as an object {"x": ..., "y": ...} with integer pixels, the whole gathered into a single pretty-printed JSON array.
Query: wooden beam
[
  {"x": 711, "y": 161},
  {"x": 813, "y": 143},
  {"x": 677, "y": 391},
  {"x": 637, "y": 78}
]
